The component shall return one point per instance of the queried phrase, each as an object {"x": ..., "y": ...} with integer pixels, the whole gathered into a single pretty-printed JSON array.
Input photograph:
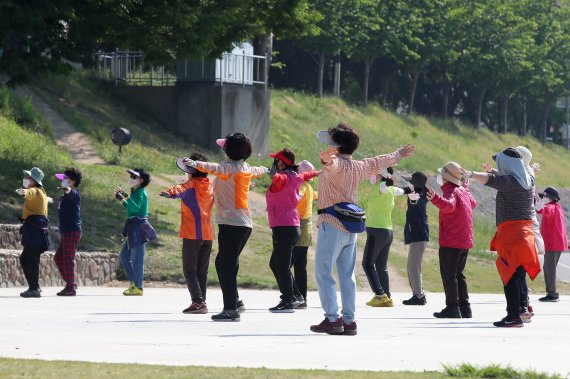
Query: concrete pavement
[{"x": 101, "y": 325}]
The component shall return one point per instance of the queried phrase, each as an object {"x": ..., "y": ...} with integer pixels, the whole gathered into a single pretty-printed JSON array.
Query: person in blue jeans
[{"x": 137, "y": 229}]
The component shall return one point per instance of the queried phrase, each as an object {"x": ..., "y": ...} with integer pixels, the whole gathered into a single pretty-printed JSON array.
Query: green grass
[
  {"x": 466, "y": 370},
  {"x": 20, "y": 368},
  {"x": 295, "y": 118}
]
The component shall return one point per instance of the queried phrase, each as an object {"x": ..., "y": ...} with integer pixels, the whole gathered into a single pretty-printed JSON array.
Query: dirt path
[{"x": 65, "y": 135}]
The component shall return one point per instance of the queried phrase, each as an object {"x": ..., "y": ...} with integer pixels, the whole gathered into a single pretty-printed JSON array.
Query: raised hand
[
  {"x": 329, "y": 154},
  {"x": 536, "y": 166},
  {"x": 430, "y": 193},
  {"x": 487, "y": 167},
  {"x": 189, "y": 162},
  {"x": 406, "y": 150}
]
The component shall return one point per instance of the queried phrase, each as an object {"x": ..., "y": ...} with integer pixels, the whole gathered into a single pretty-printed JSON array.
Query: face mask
[
  {"x": 439, "y": 180},
  {"x": 26, "y": 183},
  {"x": 133, "y": 182},
  {"x": 65, "y": 183}
]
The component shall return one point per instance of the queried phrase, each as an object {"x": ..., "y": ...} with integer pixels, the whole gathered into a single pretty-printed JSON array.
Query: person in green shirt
[
  {"x": 379, "y": 236},
  {"x": 137, "y": 230}
]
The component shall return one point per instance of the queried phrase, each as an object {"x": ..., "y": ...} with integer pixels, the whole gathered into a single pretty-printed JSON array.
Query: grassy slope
[{"x": 294, "y": 120}]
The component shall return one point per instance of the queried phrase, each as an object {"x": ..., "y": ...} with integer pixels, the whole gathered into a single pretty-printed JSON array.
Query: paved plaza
[{"x": 101, "y": 325}]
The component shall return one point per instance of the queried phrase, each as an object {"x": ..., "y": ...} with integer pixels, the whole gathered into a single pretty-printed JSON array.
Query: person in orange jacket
[{"x": 196, "y": 231}]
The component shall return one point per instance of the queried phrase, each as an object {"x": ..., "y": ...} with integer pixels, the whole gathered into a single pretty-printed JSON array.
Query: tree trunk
[
  {"x": 544, "y": 122},
  {"x": 480, "y": 107},
  {"x": 524, "y": 115},
  {"x": 322, "y": 59},
  {"x": 367, "y": 67},
  {"x": 263, "y": 45},
  {"x": 414, "y": 85},
  {"x": 384, "y": 91},
  {"x": 505, "y": 114},
  {"x": 445, "y": 102}
]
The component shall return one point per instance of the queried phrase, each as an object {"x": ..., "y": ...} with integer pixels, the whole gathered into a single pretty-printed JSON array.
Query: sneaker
[
  {"x": 240, "y": 307},
  {"x": 526, "y": 317},
  {"x": 414, "y": 300},
  {"x": 67, "y": 291},
  {"x": 329, "y": 327},
  {"x": 549, "y": 299},
  {"x": 31, "y": 293},
  {"x": 349, "y": 329},
  {"x": 509, "y": 322},
  {"x": 448, "y": 313},
  {"x": 196, "y": 308},
  {"x": 530, "y": 310},
  {"x": 125, "y": 292},
  {"x": 282, "y": 307},
  {"x": 226, "y": 316},
  {"x": 380, "y": 301},
  {"x": 301, "y": 303},
  {"x": 466, "y": 312},
  {"x": 133, "y": 291}
]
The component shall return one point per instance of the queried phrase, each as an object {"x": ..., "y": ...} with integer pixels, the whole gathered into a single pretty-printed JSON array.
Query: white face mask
[
  {"x": 133, "y": 182},
  {"x": 26, "y": 183},
  {"x": 439, "y": 180},
  {"x": 65, "y": 183}
]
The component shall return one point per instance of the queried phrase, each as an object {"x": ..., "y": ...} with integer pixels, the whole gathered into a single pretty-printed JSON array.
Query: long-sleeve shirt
[
  {"x": 137, "y": 203},
  {"x": 35, "y": 202},
  {"x": 196, "y": 208},
  {"x": 279, "y": 180},
  {"x": 305, "y": 205},
  {"x": 70, "y": 212},
  {"x": 340, "y": 178},
  {"x": 553, "y": 227},
  {"x": 231, "y": 189}
]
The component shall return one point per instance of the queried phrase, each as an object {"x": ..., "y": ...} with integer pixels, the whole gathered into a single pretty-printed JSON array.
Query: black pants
[
  {"x": 299, "y": 264},
  {"x": 195, "y": 263},
  {"x": 284, "y": 240},
  {"x": 524, "y": 293},
  {"x": 451, "y": 265},
  {"x": 375, "y": 259},
  {"x": 231, "y": 241},
  {"x": 513, "y": 292},
  {"x": 30, "y": 262}
]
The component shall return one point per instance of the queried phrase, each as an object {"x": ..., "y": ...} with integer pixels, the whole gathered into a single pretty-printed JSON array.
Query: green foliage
[
  {"x": 22, "y": 111},
  {"x": 466, "y": 370}
]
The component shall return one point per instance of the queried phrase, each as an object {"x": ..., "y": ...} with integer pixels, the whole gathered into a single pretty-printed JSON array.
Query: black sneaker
[
  {"x": 466, "y": 312},
  {"x": 448, "y": 313},
  {"x": 549, "y": 299},
  {"x": 67, "y": 291},
  {"x": 282, "y": 307},
  {"x": 226, "y": 316},
  {"x": 240, "y": 307},
  {"x": 415, "y": 301},
  {"x": 509, "y": 322},
  {"x": 31, "y": 293}
]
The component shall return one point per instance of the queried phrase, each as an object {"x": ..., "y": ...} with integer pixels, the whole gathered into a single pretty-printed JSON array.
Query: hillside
[{"x": 295, "y": 118}]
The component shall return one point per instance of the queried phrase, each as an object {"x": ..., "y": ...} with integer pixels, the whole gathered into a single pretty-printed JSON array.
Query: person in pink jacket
[
  {"x": 455, "y": 238},
  {"x": 553, "y": 231}
]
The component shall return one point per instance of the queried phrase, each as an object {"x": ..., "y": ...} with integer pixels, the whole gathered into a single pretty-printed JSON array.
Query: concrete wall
[{"x": 206, "y": 111}]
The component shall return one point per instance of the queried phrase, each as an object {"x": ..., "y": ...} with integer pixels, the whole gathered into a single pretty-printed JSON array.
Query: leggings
[
  {"x": 284, "y": 239},
  {"x": 375, "y": 260}
]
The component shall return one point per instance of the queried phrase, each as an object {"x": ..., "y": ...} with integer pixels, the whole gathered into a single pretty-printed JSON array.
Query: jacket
[
  {"x": 553, "y": 228},
  {"x": 35, "y": 232},
  {"x": 455, "y": 216},
  {"x": 514, "y": 244},
  {"x": 417, "y": 227},
  {"x": 282, "y": 205},
  {"x": 138, "y": 231},
  {"x": 196, "y": 208}
]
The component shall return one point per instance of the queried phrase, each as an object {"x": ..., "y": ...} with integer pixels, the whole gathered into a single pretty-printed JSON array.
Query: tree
[{"x": 40, "y": 36}]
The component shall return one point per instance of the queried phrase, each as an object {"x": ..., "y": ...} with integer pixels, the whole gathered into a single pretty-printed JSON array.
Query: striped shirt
[
  {"x": 231, "y": 189},
  {"x": 340, "y": 178},
  {"x": 513, "y": 201}
]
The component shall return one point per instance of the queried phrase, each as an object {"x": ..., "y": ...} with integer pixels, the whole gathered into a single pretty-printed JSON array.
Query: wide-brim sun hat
[
  {"x": 325, "y": 137},
  {"x": 451, "y": 172},
  {"x": 36, "y": 174},
  {"x": 183, "y": 167},
  {"x": 305, "y": 166}
]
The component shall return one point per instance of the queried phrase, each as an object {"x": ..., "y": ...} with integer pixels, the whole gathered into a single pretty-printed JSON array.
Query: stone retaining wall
[
  {"x": 92, "y": 269},
  {"x": 10, "y": 237}
]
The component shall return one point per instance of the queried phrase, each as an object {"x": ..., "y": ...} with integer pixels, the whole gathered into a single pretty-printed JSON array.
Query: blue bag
[{"x": 350, "y": 215}]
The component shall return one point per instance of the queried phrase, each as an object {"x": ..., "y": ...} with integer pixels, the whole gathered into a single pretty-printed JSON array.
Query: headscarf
[
  {"x": 507, "y": 165},
  {"x": 526, "y": 157}
]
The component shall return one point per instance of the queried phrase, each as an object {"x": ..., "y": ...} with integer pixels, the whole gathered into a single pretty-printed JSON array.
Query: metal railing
[
  {"x": 241, "y": 69},
  {"x": 128, "y": 68}
]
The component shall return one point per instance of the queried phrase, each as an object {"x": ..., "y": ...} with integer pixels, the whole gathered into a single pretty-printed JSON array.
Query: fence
[{"x": 128, "y": 68}]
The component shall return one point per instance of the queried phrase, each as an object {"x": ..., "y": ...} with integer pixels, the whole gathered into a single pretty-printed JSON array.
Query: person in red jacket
[
  {"x": 455, "y": 238},
  {"x": 196, "y": 230},
  {"x": 553, "y": 231}
]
